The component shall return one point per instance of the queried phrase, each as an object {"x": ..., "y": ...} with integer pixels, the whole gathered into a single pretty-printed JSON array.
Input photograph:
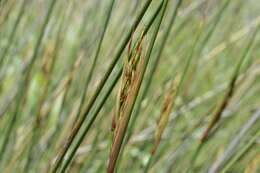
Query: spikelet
[
  {"x": 220, "y": 109},
  {"x": 165, "y": 112},
  {"x": 48, "y": 57},
  {"x": 128, "y": 87},
  {"x": 127, "y": 79}
]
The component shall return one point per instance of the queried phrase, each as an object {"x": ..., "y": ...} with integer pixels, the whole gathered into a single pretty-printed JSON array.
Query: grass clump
[{"x": 129, "y": 86}]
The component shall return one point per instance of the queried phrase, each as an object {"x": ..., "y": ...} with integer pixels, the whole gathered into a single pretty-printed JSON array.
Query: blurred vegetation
[{"x": 159, "y": 86}]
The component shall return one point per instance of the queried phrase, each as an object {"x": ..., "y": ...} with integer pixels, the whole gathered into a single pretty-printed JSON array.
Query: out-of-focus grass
[{"x": 60, "y": 73}]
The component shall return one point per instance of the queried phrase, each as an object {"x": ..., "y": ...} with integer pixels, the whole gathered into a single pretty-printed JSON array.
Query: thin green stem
[
  {"x": 241, "y": 153},
  {"x": 12, "y": 34},
  {"x": 25, "y": 80},
  {"x": 81, "y": 120},
  {"x": 103, "y": 100}
]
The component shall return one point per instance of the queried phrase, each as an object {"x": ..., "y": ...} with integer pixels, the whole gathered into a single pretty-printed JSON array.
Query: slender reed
[
  {"x": 103, "y": 99},
  {"x": 233, "y": 144},
  {"x": 99, "y": 88},
  {"x": 10, "y": 127},
  {"x": 241, "y": 153},
  {"x": 228, "y": 95},
  {"x": 13, "y": 33}
]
